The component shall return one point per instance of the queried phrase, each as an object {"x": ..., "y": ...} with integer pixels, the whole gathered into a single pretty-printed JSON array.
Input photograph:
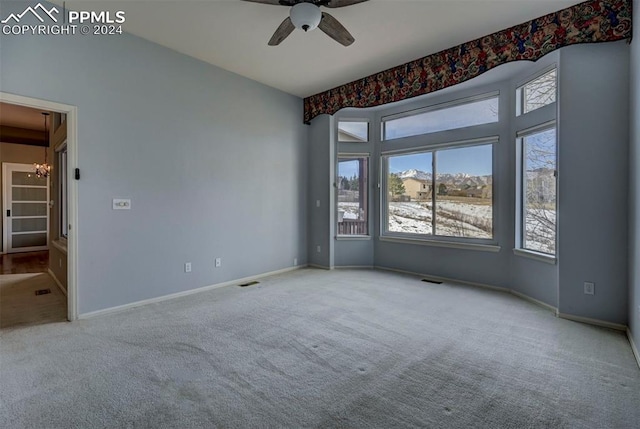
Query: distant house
[
  {"x": 473, "y": 192},
  {"x": 417, "y": 189}
]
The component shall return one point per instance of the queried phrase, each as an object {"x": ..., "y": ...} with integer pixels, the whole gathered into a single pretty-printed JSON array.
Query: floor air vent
[
  {"x": 249, "y": 284},
  {"x": 43, "y": 291},
  {"x": 432, "y": 281}
]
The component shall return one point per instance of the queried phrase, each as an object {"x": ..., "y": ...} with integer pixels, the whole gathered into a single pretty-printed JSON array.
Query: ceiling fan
[{"x": 306, "y": 15}]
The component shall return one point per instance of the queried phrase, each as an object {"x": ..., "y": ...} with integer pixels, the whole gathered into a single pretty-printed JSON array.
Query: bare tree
[
  {"x": 540, "y": 91},
  {"x": 540, "y": 191}
]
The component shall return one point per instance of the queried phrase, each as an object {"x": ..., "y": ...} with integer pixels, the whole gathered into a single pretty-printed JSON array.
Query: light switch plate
[{"x": 121, "y": 204}]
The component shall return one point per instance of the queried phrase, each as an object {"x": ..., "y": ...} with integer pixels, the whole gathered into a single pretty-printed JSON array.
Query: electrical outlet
[
  {"x": 295, "y": 262},
  {"x": 318, "y": 249},
  {"x": 218, "y": 262},
  {"x": 187, "y": 267},
  {"x": 589, "y": 288}
]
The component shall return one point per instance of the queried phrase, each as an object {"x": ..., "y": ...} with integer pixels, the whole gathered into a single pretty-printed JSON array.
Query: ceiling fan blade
[
  {"x": 343, "y": 3},
  {"x": 335, "y": 30},
  {"x": 274, "y": 2},
  {"x": 282, "y": 32}
]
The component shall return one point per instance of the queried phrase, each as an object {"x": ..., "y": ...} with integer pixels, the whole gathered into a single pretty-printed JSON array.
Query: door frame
[
  {"x": 72, "y": 164},
  {"x": 5, "y": 199}
]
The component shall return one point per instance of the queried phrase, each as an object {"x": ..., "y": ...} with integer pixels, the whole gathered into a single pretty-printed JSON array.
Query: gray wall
[
  {"x": 321, "y": 191},
  {"x": 634, "y": 191},
  {"x": 350, "y": 252},
  {"x": 215, "y": 164},
  {"x": 593, "y": 180}
]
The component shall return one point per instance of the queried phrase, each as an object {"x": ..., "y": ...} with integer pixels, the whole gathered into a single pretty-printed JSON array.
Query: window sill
[
  {"x": 61, "y": 245},
  {"x": 535, "y": 256},
  {"x": 450, "y": 244},
  {"x": 353, "y": 237}
]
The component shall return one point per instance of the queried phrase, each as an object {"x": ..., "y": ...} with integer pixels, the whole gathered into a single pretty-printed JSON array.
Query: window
[
  {"x": 353, "y": 204},
  {"x": 353, "y": 131},
  {"x": 537, "y": 93},
  {"x": 455, "y": 115},
  {"x": 538, "y": 194},
  {"x": 63, "y": 192},
  {"x": 445, "y": 192}
]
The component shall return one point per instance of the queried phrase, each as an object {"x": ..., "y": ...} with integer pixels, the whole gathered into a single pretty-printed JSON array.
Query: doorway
[
  {"x": 29, "y": 231},
  {"x": 26, "y": 209}
]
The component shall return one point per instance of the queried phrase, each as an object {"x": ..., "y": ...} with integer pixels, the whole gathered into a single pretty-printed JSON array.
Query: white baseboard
[
  {"x": 354, "y": 267},
  {"x": 444, "y": 279},
  {"x": 634, "y": 349},
  {"x": 55, "y": 279},
  {"x": 535, "y": 301},
  {"x": 120, "y": 308},
  {"x": 590, "y": 321},
  {"x": 321, "y": 267},
  {"x": 549, "y": 307}
]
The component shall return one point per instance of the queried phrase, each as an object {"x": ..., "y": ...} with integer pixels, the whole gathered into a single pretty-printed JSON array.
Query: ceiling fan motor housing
[{"x": 305, "y": 16}]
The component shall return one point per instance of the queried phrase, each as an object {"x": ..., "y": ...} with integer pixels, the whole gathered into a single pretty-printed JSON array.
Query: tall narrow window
[
  {"x": 538, "y": 193},
  {"x": 353, "y": 197}
]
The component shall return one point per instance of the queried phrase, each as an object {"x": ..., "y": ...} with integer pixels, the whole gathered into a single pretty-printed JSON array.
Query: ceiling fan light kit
[{"x": 305, "y": 16}]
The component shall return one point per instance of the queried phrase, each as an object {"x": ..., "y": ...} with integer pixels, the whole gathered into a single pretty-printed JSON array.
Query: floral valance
[{"x": 588, "y": 22}]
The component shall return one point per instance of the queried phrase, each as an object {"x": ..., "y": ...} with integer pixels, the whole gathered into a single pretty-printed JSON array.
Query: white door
[{"x": 25, "y": 209}]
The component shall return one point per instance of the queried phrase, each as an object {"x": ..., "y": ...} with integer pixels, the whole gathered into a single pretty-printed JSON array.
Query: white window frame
[
  {"x": 521, "y": 193},
  {"x": 436, "y": 107},
  {"x": 354, "y": 156},
  {"x": 342, "y": 119},
  {"x": 433, "y": 239},
  {"x": 520, "y": 99}
]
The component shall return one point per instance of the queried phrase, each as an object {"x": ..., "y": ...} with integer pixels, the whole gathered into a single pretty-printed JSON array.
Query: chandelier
[{"x": 43, "y": 170}]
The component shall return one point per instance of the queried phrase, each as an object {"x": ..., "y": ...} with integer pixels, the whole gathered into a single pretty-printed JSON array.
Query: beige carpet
[
  {"x": 318, "y": 349},
  {"x": 20, "y": 306}
]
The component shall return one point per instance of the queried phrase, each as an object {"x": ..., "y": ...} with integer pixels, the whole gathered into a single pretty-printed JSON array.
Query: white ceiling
[{"x": 233, "y": 34}]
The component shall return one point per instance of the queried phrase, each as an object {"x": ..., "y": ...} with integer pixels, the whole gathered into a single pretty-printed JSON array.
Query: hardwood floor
[
  {"x": 21, "y": 263},
  {"x": 21, "y": 275},
  {"x": 20, "y": 306}
]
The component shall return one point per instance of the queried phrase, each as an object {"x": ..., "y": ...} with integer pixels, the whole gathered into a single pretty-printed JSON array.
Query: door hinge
[{"x": 77, "y": 174}]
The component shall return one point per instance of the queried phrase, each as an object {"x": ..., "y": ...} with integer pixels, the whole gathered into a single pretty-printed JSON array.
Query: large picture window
[
  {"x": 446, "y": 192},
  {"x": 538, "y": 193},
  {"x": 353, "y": 197}
]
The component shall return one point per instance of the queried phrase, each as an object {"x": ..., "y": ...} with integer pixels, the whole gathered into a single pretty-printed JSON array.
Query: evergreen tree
[{"x": 396, "y": 187}]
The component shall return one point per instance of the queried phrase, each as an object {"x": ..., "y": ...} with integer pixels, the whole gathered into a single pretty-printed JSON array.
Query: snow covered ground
[
  {"x": 461, "y": 219},
  {"x": 350, "y": 210},
  {"x": 453, "y": 218}
]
